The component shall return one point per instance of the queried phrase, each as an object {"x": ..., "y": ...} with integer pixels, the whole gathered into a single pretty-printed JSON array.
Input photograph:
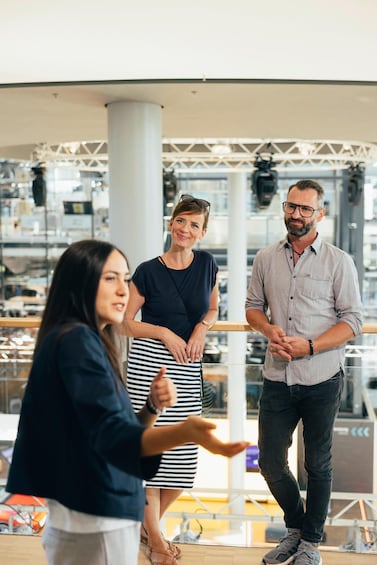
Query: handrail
[
  {"x": 219, "y": 326},
  {"x": 227, "y": 326},
  {"x": 26, "y": 322},
  {"x": 232, "y": 506}
]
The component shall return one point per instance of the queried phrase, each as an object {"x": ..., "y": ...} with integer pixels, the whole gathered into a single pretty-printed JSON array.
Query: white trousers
[{"x": 117, "y": 547}]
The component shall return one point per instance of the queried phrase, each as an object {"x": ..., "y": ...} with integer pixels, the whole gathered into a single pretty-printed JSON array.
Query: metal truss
[
  {"x": 210, "y": 155},
  {"x": 81, "y": 155},
  {"x": 238, "y": 155},
  {"x": 356, "y": 511}
]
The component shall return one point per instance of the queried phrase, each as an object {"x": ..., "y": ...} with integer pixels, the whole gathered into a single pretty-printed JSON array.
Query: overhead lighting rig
[
  {"x": 264, "y": 181},
  {"x": 355, "y": 180},
  {"x": 169, "y": 183},
  {"x": 211, "y": 155},
  {"x": 39, "y": 184}
]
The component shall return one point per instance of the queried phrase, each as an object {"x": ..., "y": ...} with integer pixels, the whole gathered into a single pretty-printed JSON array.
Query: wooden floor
[{"x": 27, "y": 550}]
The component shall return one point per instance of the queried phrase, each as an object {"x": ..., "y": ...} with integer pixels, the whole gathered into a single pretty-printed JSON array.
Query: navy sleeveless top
[{"x": 181, "y": 304}]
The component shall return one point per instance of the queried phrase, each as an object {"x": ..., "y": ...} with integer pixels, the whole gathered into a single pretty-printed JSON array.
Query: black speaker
[
  {"x": 39, "y": 186},
  {"x": 355, "y": 183},
  {"x": 169, "y": 184},
  {"x": 264, "y": 182}
]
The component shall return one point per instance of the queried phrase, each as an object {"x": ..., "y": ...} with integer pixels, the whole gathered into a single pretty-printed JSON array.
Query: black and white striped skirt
[{"x": 146, "y": 356}]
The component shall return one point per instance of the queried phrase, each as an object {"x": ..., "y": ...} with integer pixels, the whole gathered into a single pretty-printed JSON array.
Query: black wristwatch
[{"x": 152, "y": 409}]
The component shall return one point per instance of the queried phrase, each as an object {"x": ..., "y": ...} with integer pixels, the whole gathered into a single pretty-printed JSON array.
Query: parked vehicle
[{"x": 18, "y": 520}]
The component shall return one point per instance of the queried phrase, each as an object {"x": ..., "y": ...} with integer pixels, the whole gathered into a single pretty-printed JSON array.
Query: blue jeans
[{"x": 281, "y": 409}]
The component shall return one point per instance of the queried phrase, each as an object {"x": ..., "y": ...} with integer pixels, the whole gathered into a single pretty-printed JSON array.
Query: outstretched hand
[
  {"x": 200, "y": 431},
  {"x": 194, "y": 429},
  {"x": 163, "y": 391}
]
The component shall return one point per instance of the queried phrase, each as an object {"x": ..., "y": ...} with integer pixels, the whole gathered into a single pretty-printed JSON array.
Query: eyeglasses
[
  {"x": 199, "y": 201},
  {"x": 305, "y": 211}
]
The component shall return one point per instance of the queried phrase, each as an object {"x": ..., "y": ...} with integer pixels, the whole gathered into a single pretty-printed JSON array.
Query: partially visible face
[
  {"x": 297, "y": 225},
  {"x": 186, "y": 229},
  {"x": 112, "y": 294}
]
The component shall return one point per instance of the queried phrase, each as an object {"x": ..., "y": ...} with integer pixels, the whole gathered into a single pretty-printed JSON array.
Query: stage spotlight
[
  {"x": 39, "y": 185},
  {"x": 264, "y": 181},
  {"x": 169, "y": 182},
  {"x": 355, "y": 183}
]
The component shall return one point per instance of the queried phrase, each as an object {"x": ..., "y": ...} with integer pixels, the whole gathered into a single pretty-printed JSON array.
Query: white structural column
[
  {"x": 135, "y": 177},
  {"x": 237, "y": 269}
]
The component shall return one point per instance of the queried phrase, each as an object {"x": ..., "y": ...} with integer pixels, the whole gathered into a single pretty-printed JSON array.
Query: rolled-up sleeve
[
  {"x": 255, "y": 298},
  {"x": 306, "y": 299},
  {"x": 348, "y": 305}
]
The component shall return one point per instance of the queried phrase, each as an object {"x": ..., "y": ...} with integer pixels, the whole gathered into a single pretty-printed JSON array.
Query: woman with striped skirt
[{"x": 177, "y": 294}]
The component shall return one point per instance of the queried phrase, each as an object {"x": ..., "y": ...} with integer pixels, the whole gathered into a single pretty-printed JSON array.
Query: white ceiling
[
  {"x": 52, "y": 114},
  {"x": 219, "y": 69}
]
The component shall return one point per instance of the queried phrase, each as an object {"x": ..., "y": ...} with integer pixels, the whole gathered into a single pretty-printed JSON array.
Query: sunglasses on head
[{"x": 200, "y": 201}]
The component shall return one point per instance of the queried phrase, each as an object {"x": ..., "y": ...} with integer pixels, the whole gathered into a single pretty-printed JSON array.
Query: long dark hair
[{"x": 72, "y": 296}]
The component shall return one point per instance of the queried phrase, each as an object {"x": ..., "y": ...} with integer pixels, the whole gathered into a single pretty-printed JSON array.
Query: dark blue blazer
[{"x": 79, "y": 440}]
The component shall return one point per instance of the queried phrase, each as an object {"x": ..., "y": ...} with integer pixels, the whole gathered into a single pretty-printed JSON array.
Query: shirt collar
[{"x": 315, "y": 246}]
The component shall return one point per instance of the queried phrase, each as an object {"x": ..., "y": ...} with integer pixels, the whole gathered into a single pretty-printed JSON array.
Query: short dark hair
[
  {"x": 307, "y": 184},
  {"x": 194, "y": 206}
]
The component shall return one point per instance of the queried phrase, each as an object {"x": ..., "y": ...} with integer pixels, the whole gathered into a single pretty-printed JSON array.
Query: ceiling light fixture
[
  {"x": 305, "y": 148},
  {"x": 355, "y": 180},
  {"x": 169, "y": 184},
  {"x": 264, "y": 181},
  {"x": 221, "y": 149},
  {"x": 72, "y": 147}
]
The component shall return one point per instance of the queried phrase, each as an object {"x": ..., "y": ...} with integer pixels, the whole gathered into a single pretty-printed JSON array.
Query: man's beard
[{"x": 297, "y": 231}]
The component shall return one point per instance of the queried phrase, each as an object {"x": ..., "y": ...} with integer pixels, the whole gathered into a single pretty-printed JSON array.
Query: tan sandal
[
  {"x": 143, "y": 538},
  {"x": 161, "y": 557},
  {"x": 173, "y": 549}
]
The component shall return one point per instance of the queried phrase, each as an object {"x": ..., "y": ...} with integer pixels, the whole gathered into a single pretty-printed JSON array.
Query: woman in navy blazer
[{"x": 79, "y": 443}]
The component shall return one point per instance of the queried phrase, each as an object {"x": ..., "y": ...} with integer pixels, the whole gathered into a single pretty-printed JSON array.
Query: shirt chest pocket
[{"x": 316, "y": 288}]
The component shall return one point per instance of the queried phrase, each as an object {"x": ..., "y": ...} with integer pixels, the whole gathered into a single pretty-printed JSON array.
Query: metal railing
[{"x": 355, "y": 511}]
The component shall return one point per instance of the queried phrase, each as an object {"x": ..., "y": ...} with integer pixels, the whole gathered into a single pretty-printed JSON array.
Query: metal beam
[{"x": 208, "y": 155}]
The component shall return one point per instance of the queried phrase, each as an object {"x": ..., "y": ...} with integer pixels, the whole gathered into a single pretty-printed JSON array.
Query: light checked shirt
[{"x": 305, "y": 300}]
